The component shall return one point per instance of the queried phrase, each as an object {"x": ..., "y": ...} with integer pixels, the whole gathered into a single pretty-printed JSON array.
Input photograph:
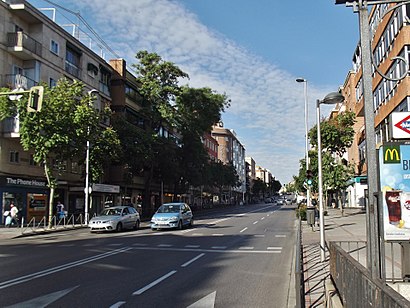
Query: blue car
[{"x": 172, "y": 215}]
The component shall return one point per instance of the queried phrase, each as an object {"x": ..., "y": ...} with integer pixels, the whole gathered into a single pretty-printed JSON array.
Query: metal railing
[
  {"x": 23, "y": 40},
  {"x": 299, "y": 276},
  {"x": 354, "y": 283},
  {"x": 42, "y": 225}
]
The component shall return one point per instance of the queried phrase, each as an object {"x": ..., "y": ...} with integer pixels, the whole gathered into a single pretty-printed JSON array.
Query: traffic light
[
  {"x": 35, "y": 99},
  {"x": 309, "y": 176}
]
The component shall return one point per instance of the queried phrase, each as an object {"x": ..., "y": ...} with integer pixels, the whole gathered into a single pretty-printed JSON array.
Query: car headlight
[{"x": 174, "y": 218}]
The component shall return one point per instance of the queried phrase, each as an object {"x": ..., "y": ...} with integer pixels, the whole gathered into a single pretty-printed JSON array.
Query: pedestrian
[
  {"x": 13, "y": 214},
  {"x": 60, "y": 210}
]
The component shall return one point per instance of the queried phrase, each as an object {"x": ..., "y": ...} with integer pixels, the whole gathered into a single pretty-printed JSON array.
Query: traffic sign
[{"x": 401, "y": 125}]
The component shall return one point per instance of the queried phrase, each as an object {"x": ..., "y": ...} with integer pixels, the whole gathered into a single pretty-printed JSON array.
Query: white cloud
[{"x": 267, "y": 108}]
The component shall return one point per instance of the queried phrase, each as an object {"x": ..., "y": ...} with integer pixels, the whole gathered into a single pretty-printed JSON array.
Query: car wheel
[
  {"x": 119, "y": 227},
  {"x": 180, "y": 225},
  {"x": 191, "y": 223},
  {"x": 137, "y": 225}
]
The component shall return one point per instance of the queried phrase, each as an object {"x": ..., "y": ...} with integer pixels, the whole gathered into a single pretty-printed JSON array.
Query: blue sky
[{"x": 252, "y": 50}]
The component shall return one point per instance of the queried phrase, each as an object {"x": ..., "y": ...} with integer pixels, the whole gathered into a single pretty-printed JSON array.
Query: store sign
[
  {"x": 395, "y": 185},
  {"x": 105, "y": 188},
  {"x": 24, "y": 182}
]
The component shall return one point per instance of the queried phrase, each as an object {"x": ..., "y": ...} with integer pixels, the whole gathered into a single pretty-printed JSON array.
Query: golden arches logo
[{"x": 392, "y": 155}]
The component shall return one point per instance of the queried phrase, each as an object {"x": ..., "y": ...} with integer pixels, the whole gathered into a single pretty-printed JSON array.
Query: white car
[
  {"x": 172, "y": 215},
  {"x": 115, "y": 218}
]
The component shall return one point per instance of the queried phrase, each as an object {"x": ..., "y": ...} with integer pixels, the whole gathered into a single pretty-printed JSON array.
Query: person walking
[
  {"x": 13, "y": 214},
  {"x": 60, "y": 210}
]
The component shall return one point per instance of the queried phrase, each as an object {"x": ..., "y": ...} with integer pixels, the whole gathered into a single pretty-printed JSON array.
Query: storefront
[{"x": 29, "y": 195}]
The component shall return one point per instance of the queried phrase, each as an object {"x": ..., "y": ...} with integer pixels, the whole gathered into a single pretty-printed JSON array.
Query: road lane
[{"x": 242, "y": 262}]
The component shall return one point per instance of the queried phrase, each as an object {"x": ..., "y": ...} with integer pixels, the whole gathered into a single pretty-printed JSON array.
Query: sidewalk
[
  {"x": 16, "y": 232},
  {"x": 349, "y": 227}
]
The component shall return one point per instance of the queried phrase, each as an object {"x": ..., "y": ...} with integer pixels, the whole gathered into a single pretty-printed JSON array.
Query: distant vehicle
[
  {"x": 115, "y": 218},
  {"x": 172, "y": 215}
]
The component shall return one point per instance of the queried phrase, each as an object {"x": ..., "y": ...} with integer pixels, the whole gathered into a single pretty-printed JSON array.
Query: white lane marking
[
  {"x": 255, "y": 222},
  {"x": 205, "y": 302},
  {"x": 218, "y": 247},
  {"x": 217, "y": 234},
  {"x": 15, "y": 281},
  {"x": 197, "y": 234},
  {"x": 280, "y": 235},
  {"x": 192, "y": 260},
  {"x": 259, "y": 235},
  {"x": 244, "y": 229},
  {"x": 262, "y": 218},
  {"x": 118, "y": 304},
  {"x": 192, "y": 246},
  {"x": 139, "y": 244},
  {"x": 274, "y": 248},
  {"x": 43, "y": 301},
  {"x": 164, "y": 245},
  {"x": 246, "y": 248},
  {"x": 154, "y": 283}
]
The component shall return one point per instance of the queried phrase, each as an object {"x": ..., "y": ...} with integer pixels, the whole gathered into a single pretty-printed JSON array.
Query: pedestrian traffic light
[
  {"x": 309, "y": 176},
  {"x": 35, "y": 99}
]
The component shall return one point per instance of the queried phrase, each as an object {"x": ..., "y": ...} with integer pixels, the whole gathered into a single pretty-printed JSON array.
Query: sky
[{"x": 251, "y": 50}]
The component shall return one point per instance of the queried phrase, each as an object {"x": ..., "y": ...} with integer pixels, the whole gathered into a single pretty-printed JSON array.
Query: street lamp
[
  {"x": 91, "y": 93},
  {"x": 331, "y": 98},
  {"x": 306, "y": 136}
]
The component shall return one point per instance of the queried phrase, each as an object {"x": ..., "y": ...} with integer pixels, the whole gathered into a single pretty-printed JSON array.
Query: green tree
[
  {"x": 59, "y": 131},
  {"x": 336, "y": 135}
]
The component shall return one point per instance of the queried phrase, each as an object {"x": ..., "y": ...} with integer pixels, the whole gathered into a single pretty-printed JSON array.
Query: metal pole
[
  {"x": 373, "y": 236},
  {"x": 87, "y": 185},
  {"x": 306, "y": 142},
  {"x": 320, "y": 184}
]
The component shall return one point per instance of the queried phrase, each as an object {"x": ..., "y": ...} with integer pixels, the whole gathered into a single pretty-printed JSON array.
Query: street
[{"x": 232, "y": 257}]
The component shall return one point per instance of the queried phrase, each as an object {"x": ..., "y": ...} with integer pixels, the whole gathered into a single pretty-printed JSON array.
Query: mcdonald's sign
[{"x": 391, "y": 154}]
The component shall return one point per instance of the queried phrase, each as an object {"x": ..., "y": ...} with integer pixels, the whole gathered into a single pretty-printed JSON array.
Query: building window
[
  {"x": 75, "y": 168},
  {"x": 52, "y": 82},
  {"x": 32, "y": 162},
  {"x": 54, "y": 47},
  {"x": 14, "y": 157},
  {"x": 72, "y": 62}
]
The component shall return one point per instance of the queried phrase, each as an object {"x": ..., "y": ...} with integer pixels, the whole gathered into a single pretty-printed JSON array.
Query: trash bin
[{"x": 310, "y": 215}]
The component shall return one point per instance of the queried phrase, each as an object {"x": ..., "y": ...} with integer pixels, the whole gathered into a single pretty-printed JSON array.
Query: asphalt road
[{"x": 234, "y": 257}]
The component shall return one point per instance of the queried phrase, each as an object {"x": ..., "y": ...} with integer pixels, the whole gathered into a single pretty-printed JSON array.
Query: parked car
[
  {"x": 115, "y": 218},
  {"x": 172, "y": 215}
]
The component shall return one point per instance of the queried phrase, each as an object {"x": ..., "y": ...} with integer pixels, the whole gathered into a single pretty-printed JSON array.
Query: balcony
[
  {"x": 10, "y": 127},
  {"x": 12, "y": 81},
  {"x": 72, "y": 69},
  {"x": 23, "y": 46}
]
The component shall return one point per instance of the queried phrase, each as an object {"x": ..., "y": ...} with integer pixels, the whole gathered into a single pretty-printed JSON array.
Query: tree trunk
[{"x": 51, "y": 184}]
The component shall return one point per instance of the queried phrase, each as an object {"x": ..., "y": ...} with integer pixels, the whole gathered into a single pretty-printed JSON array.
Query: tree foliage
[{"x": 59, "y": 131}]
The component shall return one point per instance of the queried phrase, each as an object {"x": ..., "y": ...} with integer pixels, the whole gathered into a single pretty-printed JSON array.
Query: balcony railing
[
  {"x": 72, "y": 69},
  {"x": 21, "y": 40},
  {"x": 12, "y": 81}
]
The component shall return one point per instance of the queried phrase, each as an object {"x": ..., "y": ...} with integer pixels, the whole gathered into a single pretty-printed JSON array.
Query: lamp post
[
  {"x": 306, "y": 136},
  {"x": 331, "y": 98},
  {"x": 91, "y": 93}
]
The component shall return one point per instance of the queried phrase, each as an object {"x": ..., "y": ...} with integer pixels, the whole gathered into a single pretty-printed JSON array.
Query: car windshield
[
  {"x": 169, "y": 208},
  {"x": 111, "y": 212}
]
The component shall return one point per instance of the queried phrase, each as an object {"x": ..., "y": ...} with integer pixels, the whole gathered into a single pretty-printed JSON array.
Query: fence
[
  {"x": 42, "y": 225},
  {"x": 353, "y": 281}
]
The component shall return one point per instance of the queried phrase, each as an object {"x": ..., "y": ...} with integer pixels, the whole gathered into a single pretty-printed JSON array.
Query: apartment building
[
  {"x": 390, "y": 35},
  {"x": 231, "y": 151},
  {"x": 34, "y": 49}
]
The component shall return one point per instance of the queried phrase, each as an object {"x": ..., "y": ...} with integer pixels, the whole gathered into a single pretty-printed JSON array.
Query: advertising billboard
[{"x": 394, "y": 162}]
